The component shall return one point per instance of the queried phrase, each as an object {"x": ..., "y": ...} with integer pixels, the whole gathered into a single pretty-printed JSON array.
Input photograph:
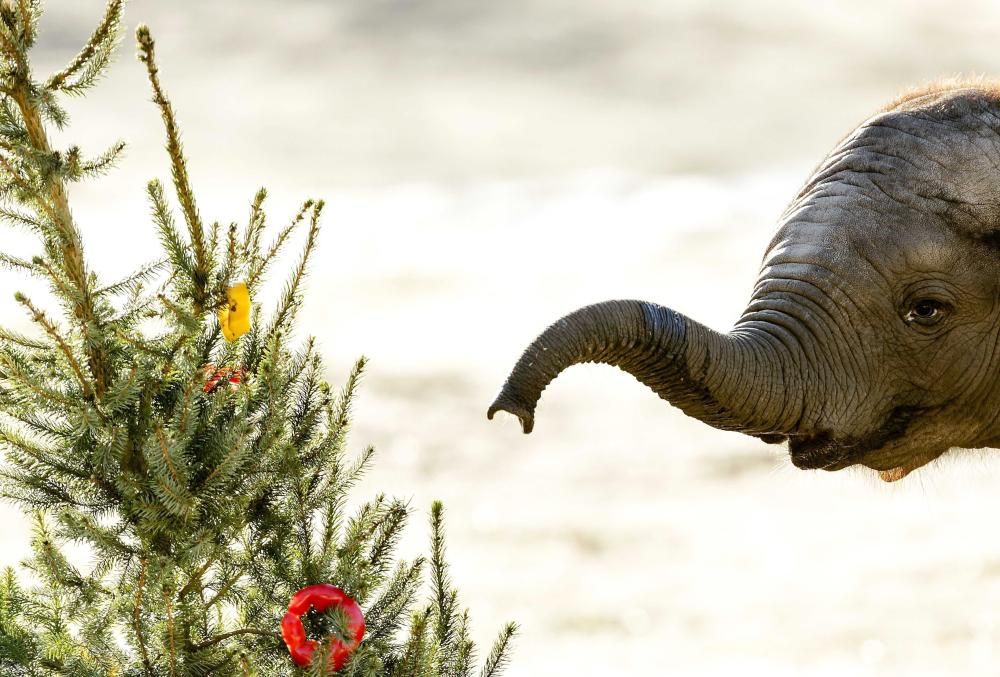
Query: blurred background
[{"x": 489, "y": 167}]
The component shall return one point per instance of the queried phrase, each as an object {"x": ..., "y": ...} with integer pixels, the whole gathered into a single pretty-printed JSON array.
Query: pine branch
[
  {"x": 416, "y": 648},
  {"x": 10, "y": 41},
  {"x": 236, "y": 455},
  {"x": 137, "y": 618},
  {"x": 172, "y": 644},
  {"x": 500, "y": 653},
  {"x": 134, "y": 280},
  {"x": 56, "y": 206},
  {"x": 13, "y": 337},
  {"x": 23, "y": 382},
  {"x": 178, "y": 165},
  {"x": 236, "y": 633},
  {"x": 291, "y": 296},
  {"x": 231, "y": 258},
  {"x": 77, "y": 168},
  {"x": 465, "y": 654},
  {"x": 259, "y": 263},
  {"x": 18, "y": 646},
  {"x": 16, "y": 263},
  {"x": 386, "y": 536},
  {"x": 30, "y": 12},
  {"x": 22, "y": 219},
  {"x": 171, "y": 240},
  {"x": 39, "y": 317},
  {"x": 161, "y": 440},
  {"x": 165, "y": 462},
  {"x": 255, "y": 228},
  {"x": 440, "y": 583},
  {"x": 95, "y": 55},
  {"x": 386, "y": 615},
  {"x": 45, "y": 457}
]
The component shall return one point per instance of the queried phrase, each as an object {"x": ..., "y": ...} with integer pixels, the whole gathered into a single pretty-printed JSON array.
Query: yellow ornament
[{"x": 234, "y": 317}]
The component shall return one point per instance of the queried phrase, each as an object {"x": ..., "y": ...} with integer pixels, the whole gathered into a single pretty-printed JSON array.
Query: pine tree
[{"x": 184, "y": 440}]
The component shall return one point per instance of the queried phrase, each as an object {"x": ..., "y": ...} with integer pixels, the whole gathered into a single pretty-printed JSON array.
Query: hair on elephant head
[{"x": 873, "y": 333}]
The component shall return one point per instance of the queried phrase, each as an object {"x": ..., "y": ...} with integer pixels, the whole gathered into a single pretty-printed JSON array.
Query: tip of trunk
[{"x": 506, "y": 402}]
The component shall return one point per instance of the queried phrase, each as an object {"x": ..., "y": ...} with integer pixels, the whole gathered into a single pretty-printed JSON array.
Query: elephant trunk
[{"x": 736, "y": 382}]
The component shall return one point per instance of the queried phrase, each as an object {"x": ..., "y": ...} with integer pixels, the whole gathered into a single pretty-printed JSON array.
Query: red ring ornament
[{"x": 321, "y": 597}]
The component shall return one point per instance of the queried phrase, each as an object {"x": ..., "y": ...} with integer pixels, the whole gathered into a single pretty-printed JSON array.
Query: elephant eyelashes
[{"x": 927, "y": 312}]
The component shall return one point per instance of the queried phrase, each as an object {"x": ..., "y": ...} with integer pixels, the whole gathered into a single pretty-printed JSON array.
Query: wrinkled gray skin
[{"x": 872, "y": 334}]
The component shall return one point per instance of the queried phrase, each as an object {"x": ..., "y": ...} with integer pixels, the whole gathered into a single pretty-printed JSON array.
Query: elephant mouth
[
  {"x": 880, "y": 451},
  {"x": 816, "y": 451},
  {"x": 822, "y": 452}
]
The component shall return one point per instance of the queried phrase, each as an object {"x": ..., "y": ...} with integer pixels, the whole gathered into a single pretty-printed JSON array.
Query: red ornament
[
  {"x": 233, "y": 376},
  {"x": 321, "y": 597}
]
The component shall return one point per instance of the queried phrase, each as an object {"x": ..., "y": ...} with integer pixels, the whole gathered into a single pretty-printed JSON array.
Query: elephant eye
[{"x": 927, "y": 312}]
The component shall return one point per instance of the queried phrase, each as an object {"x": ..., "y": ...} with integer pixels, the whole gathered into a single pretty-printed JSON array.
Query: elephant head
[{"x": 872, "y": 335}]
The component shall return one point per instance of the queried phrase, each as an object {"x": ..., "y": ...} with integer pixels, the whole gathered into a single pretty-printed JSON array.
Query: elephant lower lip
[
  {"x": 824, "y": 451},
  {"x": 819, "y": 452}
]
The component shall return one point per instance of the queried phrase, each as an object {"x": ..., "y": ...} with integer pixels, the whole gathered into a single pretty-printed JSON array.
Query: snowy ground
[{"x": 491, "y": 167}]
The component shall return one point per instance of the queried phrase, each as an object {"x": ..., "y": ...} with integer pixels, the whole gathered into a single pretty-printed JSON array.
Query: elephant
[{"x": 872, "y": 335}]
